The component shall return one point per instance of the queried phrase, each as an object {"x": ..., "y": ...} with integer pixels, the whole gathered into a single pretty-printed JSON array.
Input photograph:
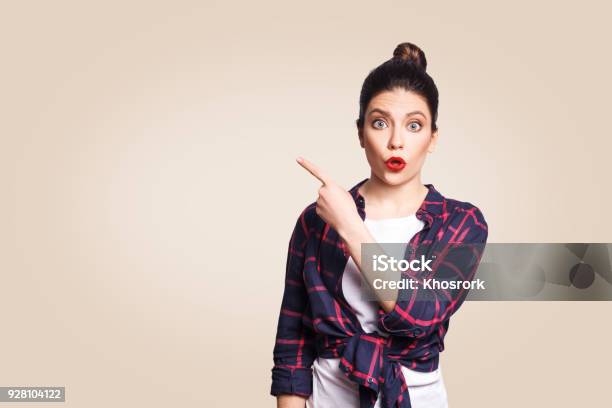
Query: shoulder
[
  {"x": 459, "y": 208},
  {"x": 467, "y": 218},
  {"x": 307, "y": 219}
]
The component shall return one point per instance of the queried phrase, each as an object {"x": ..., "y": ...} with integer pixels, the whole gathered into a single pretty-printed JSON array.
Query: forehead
[{"x": 398, "y": 102}]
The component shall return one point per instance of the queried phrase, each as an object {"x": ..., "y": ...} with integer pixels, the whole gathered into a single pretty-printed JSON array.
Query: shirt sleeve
[
  {"x": 418, "y": 312},
  {"x": 294, "y": 350}
]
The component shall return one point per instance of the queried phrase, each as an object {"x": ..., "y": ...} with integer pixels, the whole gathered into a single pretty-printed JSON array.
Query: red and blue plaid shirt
[{"x": 316, "y": 321}]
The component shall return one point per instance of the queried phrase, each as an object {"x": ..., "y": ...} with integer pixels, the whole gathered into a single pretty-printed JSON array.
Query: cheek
[
  {"x": 418, "y": 145},
  {"x": 374, "y": 144},
  {"x": 372, "y": 150}
]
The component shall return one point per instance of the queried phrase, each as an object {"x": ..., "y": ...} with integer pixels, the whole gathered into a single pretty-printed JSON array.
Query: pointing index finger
[{"x": 312, "y": 169}]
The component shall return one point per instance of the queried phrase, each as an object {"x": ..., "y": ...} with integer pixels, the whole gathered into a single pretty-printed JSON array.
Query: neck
[{"x": 384, "y": 199}]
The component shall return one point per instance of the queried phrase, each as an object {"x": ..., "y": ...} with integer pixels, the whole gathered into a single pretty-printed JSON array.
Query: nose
[{"x": 396, "y": 141}]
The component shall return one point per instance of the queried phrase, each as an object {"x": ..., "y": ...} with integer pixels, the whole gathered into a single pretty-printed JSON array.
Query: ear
[
  {"x": 359, "y": 134},
  {"x": 433, "y": 141}
]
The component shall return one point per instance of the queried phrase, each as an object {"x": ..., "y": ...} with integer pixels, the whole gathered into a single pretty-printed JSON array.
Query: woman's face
[{"x": 397, "y": 124}]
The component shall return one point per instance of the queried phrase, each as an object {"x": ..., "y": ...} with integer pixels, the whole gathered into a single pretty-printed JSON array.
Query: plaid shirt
[{"x": 316, "y": 321}]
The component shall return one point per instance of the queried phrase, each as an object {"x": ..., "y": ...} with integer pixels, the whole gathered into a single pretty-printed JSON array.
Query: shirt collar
[{"x": 431, "y": 207}]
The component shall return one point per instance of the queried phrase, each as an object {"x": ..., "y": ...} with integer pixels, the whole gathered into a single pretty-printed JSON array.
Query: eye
[
  {"x": 378, "y": 121},
  {"x": 414, "y": 128}
]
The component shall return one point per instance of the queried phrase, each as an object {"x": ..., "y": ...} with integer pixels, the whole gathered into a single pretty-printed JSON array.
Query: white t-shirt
[{"x": 331, "y": 388}]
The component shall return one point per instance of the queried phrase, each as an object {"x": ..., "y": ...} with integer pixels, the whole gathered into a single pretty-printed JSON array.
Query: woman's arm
[
  {"x": 353, "y": 235},
  {"x": 337, "y": 208},
  {"x": 290, "y": 401},
  {"x": 294, "y": 349}
]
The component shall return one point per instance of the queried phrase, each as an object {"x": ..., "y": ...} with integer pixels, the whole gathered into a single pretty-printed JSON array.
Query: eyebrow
[{"x": 416, "y": 112}]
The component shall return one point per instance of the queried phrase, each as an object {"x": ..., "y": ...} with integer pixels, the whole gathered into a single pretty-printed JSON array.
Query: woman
[{"x": 333, "y": 348}]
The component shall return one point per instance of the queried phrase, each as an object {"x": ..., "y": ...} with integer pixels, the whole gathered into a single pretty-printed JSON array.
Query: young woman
[{"x": 334, "y": 348}]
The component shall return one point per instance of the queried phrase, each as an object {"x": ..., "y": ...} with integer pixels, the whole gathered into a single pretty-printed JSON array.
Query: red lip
[{"x": 395, "y": 163}]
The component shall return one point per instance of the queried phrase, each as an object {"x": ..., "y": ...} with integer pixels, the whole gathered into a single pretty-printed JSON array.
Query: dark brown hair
[{"x": 406, "y": 70}]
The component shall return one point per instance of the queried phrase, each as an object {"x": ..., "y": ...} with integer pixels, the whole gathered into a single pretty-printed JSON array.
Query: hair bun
[{"x": 408, "y": 52}]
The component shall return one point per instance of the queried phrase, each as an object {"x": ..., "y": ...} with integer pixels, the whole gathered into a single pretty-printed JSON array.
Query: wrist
[{"x": 355, "y": 227}]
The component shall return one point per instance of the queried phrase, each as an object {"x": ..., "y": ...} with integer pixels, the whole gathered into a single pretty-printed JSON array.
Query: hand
[{"x": 334, "y": 205}]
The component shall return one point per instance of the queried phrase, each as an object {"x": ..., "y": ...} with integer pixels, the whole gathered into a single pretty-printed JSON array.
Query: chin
[{"x": 394, "y": 179}]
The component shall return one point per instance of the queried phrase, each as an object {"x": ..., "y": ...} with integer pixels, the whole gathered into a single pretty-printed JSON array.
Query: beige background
[{"x": 149, "y": 186}]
